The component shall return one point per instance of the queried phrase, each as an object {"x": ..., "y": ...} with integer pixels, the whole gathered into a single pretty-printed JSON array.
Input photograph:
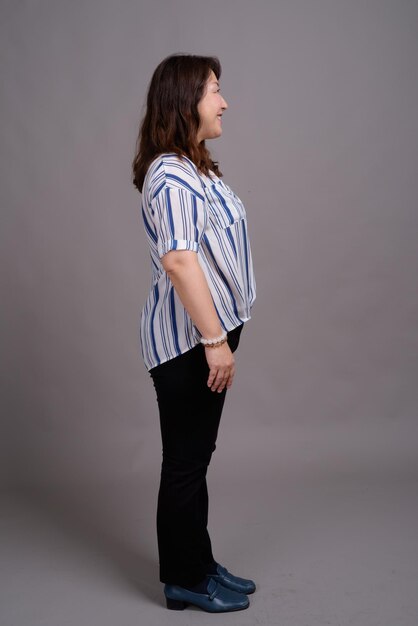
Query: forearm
[{"x": 191, "y": 286}]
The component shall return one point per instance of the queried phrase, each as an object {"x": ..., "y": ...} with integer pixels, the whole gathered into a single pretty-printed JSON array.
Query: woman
[{"x": 202, "y": 291}]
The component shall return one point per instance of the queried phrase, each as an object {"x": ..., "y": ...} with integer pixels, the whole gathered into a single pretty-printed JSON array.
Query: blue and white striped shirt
[{"x": 183, "y": 209}]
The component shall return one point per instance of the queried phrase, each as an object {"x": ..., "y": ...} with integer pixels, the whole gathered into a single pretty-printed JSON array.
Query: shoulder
[{"x": 169, "y": 170}]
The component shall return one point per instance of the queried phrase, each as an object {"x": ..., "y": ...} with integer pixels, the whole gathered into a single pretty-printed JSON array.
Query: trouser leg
[
  {"x": 183, "y": 540},
  {"x": 189, "y": 419}
]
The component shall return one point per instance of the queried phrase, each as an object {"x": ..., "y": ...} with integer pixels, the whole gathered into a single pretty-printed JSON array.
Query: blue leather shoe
[
  {"x": 218, "y": 599},
  {"x": 242, "y": 585}
]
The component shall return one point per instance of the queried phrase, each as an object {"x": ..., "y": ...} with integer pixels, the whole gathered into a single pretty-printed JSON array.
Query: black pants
[{"x": 189, "y": 419}]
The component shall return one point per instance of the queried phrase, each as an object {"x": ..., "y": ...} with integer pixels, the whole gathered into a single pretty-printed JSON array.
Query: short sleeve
[{"x": 180, "y": 218}]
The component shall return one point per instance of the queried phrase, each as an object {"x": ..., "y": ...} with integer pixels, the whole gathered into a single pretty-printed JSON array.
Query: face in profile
[{"x": 210, "y": 109}]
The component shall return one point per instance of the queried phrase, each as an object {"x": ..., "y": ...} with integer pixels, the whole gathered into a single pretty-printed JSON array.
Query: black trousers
[{"x": 189, "y": 419}]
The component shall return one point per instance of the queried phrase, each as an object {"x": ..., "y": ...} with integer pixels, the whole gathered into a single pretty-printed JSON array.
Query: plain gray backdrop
[{"x": 320, "y": 141}]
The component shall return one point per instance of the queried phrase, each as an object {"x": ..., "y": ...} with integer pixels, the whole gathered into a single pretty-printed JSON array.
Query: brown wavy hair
[{"x": 171, "y": 120}]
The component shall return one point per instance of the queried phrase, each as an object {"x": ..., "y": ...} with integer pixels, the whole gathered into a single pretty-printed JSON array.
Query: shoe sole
[{"x": 180, "y": 605}]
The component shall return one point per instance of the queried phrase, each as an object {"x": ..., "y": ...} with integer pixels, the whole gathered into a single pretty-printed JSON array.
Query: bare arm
[{"x": 189, "y": 281}]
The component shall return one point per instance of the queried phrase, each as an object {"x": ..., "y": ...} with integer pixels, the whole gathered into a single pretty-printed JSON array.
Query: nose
[{"x": 224, "y": 103}]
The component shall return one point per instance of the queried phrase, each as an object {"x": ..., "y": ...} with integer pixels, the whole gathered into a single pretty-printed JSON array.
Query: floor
[{"x": 326, "y": 548}]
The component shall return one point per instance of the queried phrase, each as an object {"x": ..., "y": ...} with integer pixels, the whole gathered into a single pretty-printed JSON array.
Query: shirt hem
[{"x": 150, "y": 367}]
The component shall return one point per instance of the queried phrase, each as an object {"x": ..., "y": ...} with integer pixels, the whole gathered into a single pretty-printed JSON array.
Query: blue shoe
[
  {"x": 218, "y": 599},
  {"x": 242, "y": 585}
]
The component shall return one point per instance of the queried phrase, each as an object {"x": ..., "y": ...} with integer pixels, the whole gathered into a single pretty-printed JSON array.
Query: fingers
[
  {"x": 219, "y": 379},
  {"x": 231, "y": 378}
]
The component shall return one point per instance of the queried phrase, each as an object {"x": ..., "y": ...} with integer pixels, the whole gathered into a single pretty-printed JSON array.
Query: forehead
[{"x": 212, "y": 78}]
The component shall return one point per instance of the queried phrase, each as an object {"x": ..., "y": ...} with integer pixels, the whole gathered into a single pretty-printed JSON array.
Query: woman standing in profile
[{"x": 202, "y": 291}]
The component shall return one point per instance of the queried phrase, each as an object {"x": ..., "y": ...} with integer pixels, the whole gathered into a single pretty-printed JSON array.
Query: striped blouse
[{"x": 183, "y": 209}]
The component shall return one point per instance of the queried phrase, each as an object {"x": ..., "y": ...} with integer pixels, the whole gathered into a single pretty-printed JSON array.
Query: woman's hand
[{"x": 222, "y": 367}]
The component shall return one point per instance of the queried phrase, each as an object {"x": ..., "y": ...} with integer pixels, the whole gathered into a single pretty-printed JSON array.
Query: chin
[{"x": 213, "y": 135}]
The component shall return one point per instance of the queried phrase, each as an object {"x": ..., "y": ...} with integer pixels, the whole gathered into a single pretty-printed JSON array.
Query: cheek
[{"x": 206, "y": 113}]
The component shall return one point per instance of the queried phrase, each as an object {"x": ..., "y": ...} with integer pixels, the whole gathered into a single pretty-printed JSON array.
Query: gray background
[{"x": 313, "y": 485}]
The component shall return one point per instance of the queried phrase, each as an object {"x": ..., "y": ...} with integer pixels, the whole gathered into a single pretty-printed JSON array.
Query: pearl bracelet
[{"x": 218, "y": 341}]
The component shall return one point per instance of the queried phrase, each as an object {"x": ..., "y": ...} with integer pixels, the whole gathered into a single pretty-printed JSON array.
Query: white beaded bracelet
[{"x": 214, "y": 342}]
